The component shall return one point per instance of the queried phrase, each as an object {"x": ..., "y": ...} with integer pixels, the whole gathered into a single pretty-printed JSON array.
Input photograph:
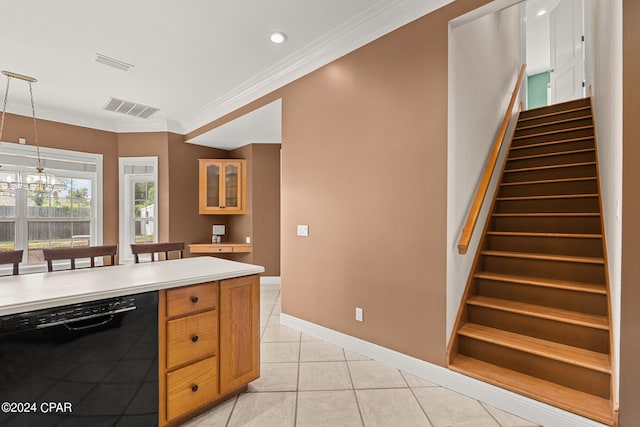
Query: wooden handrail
[{"x": 474, "y": 212}]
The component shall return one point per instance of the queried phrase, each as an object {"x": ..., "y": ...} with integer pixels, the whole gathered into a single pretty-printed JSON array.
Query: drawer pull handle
[
  {"x": 194, "y": 299},
  {"x": 194, "y": 338},
  {"x": 194, "y": 388}
]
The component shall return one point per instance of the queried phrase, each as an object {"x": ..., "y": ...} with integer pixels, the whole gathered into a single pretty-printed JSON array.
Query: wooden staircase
[{"x": 534, "y": 318}]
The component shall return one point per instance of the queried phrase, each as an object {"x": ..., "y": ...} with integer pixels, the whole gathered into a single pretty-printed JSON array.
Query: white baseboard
[
  {"x": 270, "y": 280},
  {"x": 529, "y": 409}
]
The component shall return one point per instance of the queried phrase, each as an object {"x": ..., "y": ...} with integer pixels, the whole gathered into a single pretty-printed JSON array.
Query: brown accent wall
[
  {"x": 76, "y": 138},
  {"x": 262, "y": 220},
  {"x": 185, "y": 223},
  {"x": 364, "y": 158},
  {"x": 152, "y": 144},
  {"x": 266, "y": 207},
  {"x": 178, "y": 217},
  {"x": 630, "y": 322}
]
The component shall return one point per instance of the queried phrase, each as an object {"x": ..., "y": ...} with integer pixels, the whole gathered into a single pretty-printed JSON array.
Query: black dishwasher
[{"x": 90, "y": 364}]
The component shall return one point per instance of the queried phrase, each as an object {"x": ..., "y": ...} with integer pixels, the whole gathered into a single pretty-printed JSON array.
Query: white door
[{"x": 567, "y": 51}]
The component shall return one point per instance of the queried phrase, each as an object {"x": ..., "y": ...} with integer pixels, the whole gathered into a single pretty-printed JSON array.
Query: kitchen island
[{"x": 207, "y": 321}]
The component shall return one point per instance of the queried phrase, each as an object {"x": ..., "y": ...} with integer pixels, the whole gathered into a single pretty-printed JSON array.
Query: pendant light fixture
[{"x": 39, "y": 182}]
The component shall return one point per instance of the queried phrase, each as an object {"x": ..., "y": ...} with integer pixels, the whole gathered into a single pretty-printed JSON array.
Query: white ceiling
[{"x": 195, "y": 61}]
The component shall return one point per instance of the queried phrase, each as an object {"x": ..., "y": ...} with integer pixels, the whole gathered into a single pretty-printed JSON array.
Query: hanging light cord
[
  {"x": 39, "y": 168},
  {"x": 4, "y": 108}
]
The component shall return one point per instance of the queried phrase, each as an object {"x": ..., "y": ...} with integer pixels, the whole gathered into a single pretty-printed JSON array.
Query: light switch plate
[{"x": 303, "y": 230}]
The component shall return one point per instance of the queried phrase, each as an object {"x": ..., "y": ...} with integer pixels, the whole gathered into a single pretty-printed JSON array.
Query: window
[
  {"x": 63, "y": 218},
  {"x": 138, "y": 203}
]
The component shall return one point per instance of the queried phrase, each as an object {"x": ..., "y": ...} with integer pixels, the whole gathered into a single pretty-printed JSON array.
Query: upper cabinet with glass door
[{"x": 222, "y": 186}]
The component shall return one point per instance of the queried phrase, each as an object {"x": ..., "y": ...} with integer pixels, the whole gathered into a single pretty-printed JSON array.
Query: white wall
[
  {"x": 607, "y": 98},
  {"x": 484, "y": 59}
]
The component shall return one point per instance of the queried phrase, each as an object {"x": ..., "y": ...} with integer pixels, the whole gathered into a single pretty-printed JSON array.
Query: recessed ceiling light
[
  {"x": 278, "y": 37},
  {"x": 542, "y": 12}
]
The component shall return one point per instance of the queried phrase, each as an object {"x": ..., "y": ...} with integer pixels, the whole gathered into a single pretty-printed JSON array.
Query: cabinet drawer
[
  {"x": 188, "y": 299},
  {"x": 191, "y": 338},
  {"x": 192, "y": 386}
]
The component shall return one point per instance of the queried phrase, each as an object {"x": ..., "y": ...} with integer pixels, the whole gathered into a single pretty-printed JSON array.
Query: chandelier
[{"x": 39, "y": 182}]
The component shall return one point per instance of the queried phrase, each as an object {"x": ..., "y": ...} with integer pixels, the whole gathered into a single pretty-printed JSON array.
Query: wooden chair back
[
  {"x": 72, "y": 254},
  {"x": 11, "y": 257},
  {"x": 156, "y": 248}
]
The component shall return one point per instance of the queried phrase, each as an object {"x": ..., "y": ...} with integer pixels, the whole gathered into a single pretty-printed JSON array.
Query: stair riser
[
  {"x": 572, "y": 124},
  {"x": 554, "y": 224},
  {"x": 578, "y": 103},
  {"x": 583, "y": 204},
  {"x": 564, "y": 333},
  {"x": 550, "y": 189},
  {"x": 581, "y": 302},
  {"x": 555, "y": 136},
  {"x": 558, "y": 159},
  {"x": 547, "y": 245},
  {"x": 582, "y": 171},
  {"x": 582, "y": 144},
  {"x": 556, "y": 117},
  {"x": 578, "y": 378},
  {"x": 573, "y": 271}
]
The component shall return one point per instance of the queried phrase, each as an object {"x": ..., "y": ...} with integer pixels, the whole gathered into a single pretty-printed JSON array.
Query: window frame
[
  {"x": 125, "y": 204},
  {"x": 53, "y": 154}
]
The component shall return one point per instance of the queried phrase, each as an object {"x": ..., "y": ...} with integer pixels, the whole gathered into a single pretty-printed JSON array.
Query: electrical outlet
[
  {"x": 247, "y": 240},
  {"x": 303, "y": 230},
  {"x": 359, "y": 314}
]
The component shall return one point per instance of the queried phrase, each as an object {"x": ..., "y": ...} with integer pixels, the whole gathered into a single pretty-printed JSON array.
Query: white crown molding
[
  {"x": 532, "y": 410},
  {"x": 44, "y": 112},
  {"x": 380, "y": 19},
  {"x": 148, "y": 125}
]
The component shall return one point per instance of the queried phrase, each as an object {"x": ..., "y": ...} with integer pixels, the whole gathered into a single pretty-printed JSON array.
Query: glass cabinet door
[
  {"x": 213, "y": 185},
  {"x": 222, "y": 186},
  {"x": 232, "y": 185}
]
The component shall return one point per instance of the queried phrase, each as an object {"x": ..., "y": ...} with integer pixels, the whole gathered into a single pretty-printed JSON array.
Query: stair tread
[
  {"x": 555, "y": 122},
  {"x": 544, "y": 282},
  {"x": 555, "y": 113},
  {"x": 553, "y": 132},
  {"x": 547, "y": 214},
  {"x": 550, "y": 197},
  {"x": 541, "y": 144},
  {"x": 550, "y": 181},
  {"x": 547, "y": 257},
  {"x": 562, "y": 165},
  {"x": 550, "y": 313},
  {"x": 552, "y": 350},
  {"x": 538, "y": 234},
  {"x": 554, "y": 153},
  {"x": 575, "y": 401}
]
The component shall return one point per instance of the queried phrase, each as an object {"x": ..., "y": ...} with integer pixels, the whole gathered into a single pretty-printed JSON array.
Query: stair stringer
[{"x": 614, "y": 387}]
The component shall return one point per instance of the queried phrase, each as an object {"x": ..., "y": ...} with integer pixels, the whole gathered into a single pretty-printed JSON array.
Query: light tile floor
[{"x": 307, "y": 382}]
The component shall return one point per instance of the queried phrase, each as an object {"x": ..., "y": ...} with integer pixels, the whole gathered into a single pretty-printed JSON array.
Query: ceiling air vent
[
  {"x": 129, "y": 108},
  {"x": 111, "y": 62}
]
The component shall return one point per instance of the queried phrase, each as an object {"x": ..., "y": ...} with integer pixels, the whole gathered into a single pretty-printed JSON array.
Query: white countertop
[{"x": 36, "y": 291}]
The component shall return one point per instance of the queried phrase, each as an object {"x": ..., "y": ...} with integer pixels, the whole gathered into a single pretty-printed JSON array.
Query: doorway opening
[{"x": 557, "y": 51}]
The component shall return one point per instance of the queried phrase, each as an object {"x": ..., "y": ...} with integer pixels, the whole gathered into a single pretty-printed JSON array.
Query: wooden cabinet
[
  {"x": 239, "y": 331},
  {"x": 209, "y": 345},
  {"x": 222, "y": 186}
]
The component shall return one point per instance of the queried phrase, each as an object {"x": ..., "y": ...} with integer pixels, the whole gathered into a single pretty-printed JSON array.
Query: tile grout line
[
  {"x": 490, "y": 414},
  {"x": 232, "y": 410},
  {"x": 413, "y": 393},
  {"x": 355, "y": 395}
]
